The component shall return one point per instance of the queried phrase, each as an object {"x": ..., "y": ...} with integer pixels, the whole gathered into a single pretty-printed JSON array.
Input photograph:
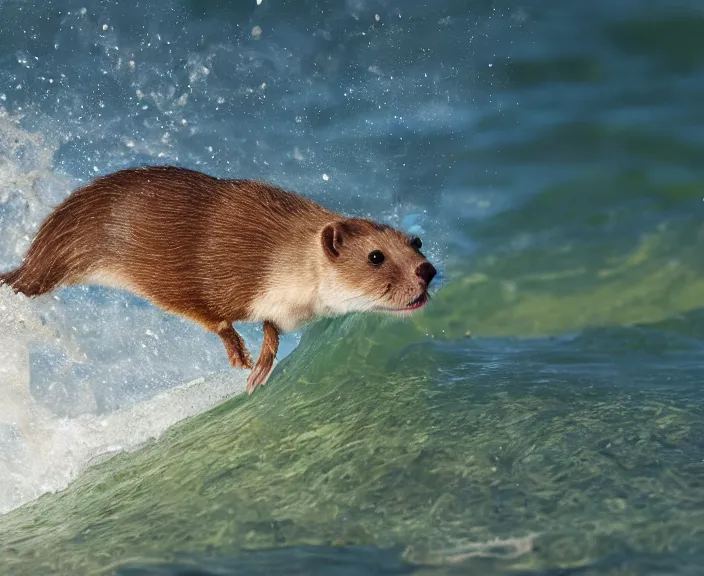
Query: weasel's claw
[
  {"x": 243, "y": 360},
  {"x": 258, "y": 377}
]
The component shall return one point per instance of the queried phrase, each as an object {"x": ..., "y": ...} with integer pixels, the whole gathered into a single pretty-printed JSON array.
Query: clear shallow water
[{"x": 542, "y": 416}]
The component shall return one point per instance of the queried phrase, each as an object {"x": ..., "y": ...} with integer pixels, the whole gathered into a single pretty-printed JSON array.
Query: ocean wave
[{"x": 369, "y": 435}]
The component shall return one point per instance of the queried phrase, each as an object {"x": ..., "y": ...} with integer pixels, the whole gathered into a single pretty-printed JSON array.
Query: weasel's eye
[
  {"x": 376, "y": 257},
  {"x": 416, "y": 243}
]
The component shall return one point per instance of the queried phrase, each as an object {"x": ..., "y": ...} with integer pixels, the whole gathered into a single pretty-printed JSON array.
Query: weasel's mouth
[
  {"x": 414, "y": 304},
  {"x": 418, "y": 302}
]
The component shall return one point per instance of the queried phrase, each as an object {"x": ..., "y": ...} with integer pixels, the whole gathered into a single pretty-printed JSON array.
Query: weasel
[{"x": 219, "y": 251}]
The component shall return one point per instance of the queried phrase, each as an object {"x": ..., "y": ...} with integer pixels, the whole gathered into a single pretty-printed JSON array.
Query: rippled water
[{"x": 543, "y": 415}]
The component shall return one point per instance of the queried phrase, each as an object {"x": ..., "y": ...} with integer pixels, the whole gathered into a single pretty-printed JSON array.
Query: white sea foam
[{"x": 41, "y": 452}]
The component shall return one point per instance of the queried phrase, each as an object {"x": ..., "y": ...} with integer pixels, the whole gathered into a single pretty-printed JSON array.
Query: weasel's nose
[{"x": 426, "y": 272}]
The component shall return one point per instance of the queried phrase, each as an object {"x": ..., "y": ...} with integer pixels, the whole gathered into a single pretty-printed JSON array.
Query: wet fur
[{"x": 218, "y": 251}]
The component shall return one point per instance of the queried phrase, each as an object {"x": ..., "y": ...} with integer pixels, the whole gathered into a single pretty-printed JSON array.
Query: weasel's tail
[
  {"x": 59, "y": 255},
  {"x": 20, "y": 281},
  {"x": 54, "y": 258},
  {"x": 70, "y": 243},
  {"x": 11, "y": 277}
]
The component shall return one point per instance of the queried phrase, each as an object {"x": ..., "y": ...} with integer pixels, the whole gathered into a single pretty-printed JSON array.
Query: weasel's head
[{"x": 372, "y": 267}]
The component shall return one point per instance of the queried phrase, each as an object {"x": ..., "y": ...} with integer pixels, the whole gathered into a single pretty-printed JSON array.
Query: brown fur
[{"x": 220, "y": 251}]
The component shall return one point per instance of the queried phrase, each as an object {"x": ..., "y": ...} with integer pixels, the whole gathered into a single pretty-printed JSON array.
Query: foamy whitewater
[{"x": 43, "y": 452}]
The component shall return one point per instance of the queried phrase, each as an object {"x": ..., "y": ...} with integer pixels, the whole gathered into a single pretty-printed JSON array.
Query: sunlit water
[{"x": 544, "y": 414}]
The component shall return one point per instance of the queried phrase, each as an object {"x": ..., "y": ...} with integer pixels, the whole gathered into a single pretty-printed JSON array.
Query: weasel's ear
[{"x": 332, "y": 238}]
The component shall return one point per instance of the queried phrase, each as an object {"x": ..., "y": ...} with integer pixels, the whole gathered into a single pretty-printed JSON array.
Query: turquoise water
[{"x": 543, "y": 415}]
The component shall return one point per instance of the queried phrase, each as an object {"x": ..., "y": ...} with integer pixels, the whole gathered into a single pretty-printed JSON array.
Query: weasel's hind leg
[
  {"x": 262, "y": 369},
  {"x": 236, "y": 350}
]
